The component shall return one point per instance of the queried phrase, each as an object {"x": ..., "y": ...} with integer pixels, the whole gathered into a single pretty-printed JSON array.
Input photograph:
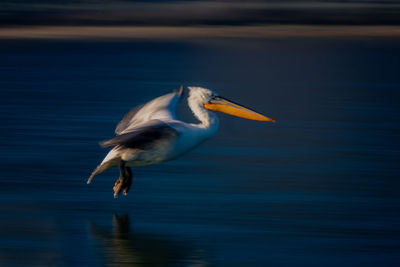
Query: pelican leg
[
  {"x": 119, "y": 184},
  {"x": 124, "y": 181},
  {"x": 128, "y": 181}
]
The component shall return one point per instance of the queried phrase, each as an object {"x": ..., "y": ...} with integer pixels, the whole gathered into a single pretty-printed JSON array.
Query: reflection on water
[{"x": 120, "y": 246}]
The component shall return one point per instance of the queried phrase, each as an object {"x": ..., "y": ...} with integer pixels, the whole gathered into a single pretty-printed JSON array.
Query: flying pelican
[{"x": 151, "y": 133}]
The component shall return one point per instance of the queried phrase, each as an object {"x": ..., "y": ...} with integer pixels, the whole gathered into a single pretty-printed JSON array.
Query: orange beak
[{"x": 226, "y": 106}]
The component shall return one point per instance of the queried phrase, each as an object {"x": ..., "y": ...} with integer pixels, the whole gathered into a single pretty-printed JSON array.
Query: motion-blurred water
[{"x": 318, "y": 188}]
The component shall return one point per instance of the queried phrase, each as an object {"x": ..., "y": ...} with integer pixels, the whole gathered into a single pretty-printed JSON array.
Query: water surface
[{"x": 319, "y": 187}]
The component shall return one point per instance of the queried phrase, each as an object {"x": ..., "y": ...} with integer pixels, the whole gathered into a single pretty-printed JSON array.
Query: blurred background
[
  {"x": 133, "y": 12},
  {"x": 320, "y": 187}
]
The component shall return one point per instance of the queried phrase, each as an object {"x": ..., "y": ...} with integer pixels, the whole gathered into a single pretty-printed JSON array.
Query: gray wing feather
[
  {"x": 159, "y": 108},
  {"x": 142, "y": 137},
  {"x": 122, "y": 125}
]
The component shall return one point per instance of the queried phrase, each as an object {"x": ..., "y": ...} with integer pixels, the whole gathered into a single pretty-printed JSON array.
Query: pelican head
[{"x": 213, "y": 101}]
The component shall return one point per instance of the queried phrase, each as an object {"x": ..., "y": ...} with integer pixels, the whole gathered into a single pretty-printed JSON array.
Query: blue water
[{"x": 320, "y": 187}]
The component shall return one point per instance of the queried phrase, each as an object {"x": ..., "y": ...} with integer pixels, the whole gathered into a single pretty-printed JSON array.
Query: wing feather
[
  {"x": 123, "y": 124},
  {"x": 142, "y": 137},
  {"x": 161, "y": 108}
]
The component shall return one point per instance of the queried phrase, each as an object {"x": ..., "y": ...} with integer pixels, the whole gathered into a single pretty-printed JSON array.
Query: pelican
[{"x": 151, "y": 133}]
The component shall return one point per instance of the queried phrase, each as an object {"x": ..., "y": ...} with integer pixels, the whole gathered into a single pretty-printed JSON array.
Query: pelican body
[{"x": 151, "y": 133}]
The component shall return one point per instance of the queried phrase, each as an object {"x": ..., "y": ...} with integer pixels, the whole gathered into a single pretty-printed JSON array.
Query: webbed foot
[{"x": 124, "y": 182}]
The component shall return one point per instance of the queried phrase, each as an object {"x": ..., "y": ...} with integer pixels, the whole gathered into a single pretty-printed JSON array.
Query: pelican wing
[
  {"x": 142, "y": 137},
  {"x": 124, "y": 123},
  {"x": 162, "y": 108}
]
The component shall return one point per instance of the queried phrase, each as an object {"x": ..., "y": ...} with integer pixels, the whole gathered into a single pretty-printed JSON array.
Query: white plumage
[{"x": 152, "y": 133}]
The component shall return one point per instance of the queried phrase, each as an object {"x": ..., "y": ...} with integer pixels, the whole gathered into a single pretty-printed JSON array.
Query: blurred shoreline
[
  {"x": 198, "y": 12},
  {"x": 186, "y": 32}
]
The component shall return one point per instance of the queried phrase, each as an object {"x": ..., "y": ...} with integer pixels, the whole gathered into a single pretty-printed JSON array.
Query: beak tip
[{"x": 269, "y": 120}]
